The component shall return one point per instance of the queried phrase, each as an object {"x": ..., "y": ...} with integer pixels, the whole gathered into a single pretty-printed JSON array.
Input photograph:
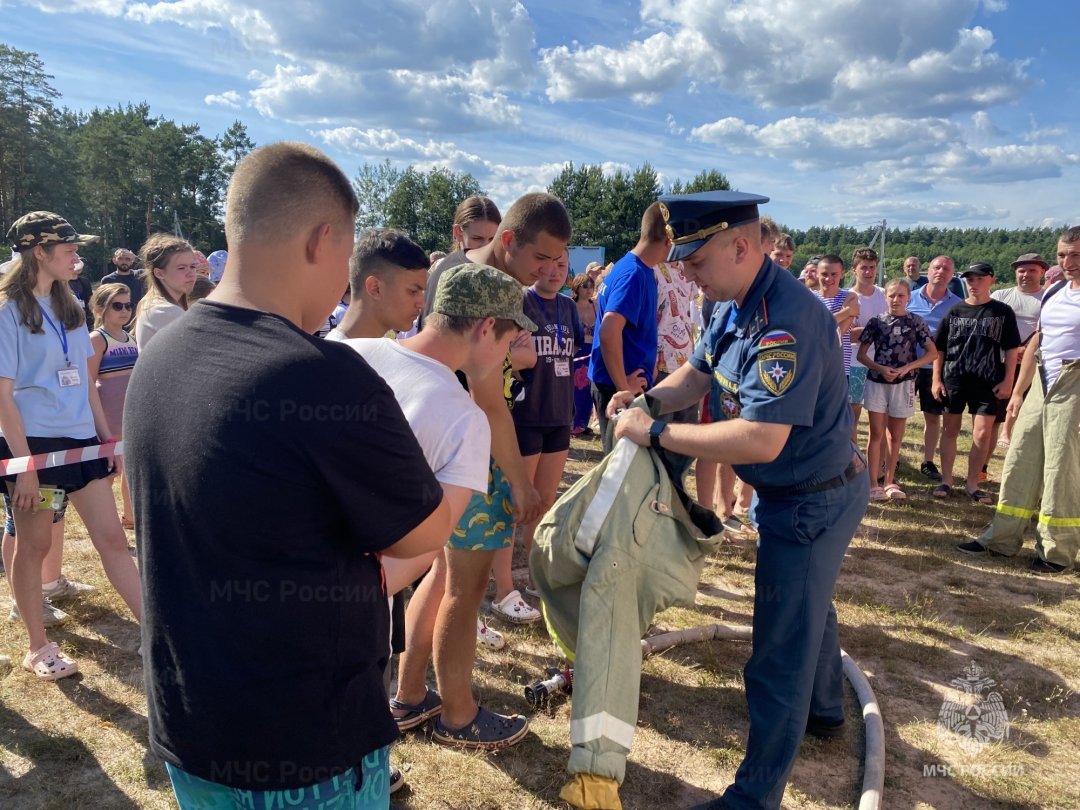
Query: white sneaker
[
  {"x": 492, "y": 639},
  {"x": 65, "y": 590},
  {"x": 51, "y": 616},
  {"x": 515, "y": 609}
]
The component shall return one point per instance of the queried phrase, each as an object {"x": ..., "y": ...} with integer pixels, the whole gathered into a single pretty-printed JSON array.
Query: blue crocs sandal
[
  {"x": 417, "y": 713},
  {"x": 486, "y": 732}
]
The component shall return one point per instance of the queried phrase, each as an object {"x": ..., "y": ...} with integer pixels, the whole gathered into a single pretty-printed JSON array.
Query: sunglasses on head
[{"x": 117, "y": 306}]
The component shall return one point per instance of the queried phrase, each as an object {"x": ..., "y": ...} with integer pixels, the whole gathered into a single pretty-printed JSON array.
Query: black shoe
[
  {"x": 824, "y": 728},
  {"x": 1041, "y": 566},
  {"x": 974, "y": 547},
  {"x": 930, "y": 470}
]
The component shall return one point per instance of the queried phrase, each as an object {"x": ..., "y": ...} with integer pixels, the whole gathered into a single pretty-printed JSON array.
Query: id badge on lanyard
[{"x": 68, "y": 376}]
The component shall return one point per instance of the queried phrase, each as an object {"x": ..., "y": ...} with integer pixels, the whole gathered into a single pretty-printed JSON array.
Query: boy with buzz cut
[
  {"x": 388, "y": 274},
  {"x": 476, "y": 315},
  {"x": 889, "y": 394}
]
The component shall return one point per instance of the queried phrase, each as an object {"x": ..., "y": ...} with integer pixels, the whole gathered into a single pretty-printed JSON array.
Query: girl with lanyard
[
  {"x": 170, "y": 275},
  {"x": 111, "y": 364},
  {"x": 47, "y": 404},
  {"x": 543, "y": 420}
]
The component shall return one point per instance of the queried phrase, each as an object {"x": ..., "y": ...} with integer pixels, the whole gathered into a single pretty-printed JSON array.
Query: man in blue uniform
[{"x": 779, "y": 398}]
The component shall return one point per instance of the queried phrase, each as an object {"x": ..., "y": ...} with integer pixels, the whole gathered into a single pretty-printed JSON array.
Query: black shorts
[
  {"x": 927, "y": 404},
  {"x": 542, "y": 439},
  {"x": 975, "y": 398},
  {"x": 70, "y": 477}
]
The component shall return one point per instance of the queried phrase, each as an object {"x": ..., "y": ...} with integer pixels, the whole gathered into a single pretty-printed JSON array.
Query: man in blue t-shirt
[{"x": 624, "y": 356}]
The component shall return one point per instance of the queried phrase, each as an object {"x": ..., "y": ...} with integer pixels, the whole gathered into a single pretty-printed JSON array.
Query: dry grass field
[{"x": 914, "y": 614}]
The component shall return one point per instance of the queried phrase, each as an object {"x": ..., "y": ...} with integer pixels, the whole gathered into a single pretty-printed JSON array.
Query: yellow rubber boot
[{"x": 588, "y": 791}]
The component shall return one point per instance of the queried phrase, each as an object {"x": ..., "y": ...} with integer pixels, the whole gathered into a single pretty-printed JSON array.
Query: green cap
[
  {"x": 478, "y": 291},
  {"x": 43, "y": 228}
]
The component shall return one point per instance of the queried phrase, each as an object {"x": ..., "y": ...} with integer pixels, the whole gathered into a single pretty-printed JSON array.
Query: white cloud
[
  {"x": 813, "y": 143},
  {"x": 110, "y": 8},
  {"x": 230, "y": 99},
  {"x": 445, "y": 64},
  {"x": 919, "y": 56},
  {"x": 984, "y": 127},
  {"x": 1037, "y": 133}
]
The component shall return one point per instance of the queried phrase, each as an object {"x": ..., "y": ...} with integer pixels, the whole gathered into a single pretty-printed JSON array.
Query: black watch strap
[{"x": 655, "y": 431}]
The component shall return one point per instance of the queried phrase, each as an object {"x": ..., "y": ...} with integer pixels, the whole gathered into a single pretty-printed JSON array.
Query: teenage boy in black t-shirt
[
  {"x": 977, "y": 343},
  {"x": 261, "y": 474}
]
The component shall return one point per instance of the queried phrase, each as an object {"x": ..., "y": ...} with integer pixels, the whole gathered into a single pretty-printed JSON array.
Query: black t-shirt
[
  {"x": 973, "y": 339},
  {"x": 549, "y": 385},
  {"x": 267, "y": 468}
]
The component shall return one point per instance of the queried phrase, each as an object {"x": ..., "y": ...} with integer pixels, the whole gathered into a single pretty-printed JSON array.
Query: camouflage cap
[
  {"x": 44, "y": 228},
  {"x": 479, "y": 291}
]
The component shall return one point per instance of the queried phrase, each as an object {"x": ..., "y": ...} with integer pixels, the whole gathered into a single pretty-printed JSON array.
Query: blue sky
[{"x": 941, "y": 112}]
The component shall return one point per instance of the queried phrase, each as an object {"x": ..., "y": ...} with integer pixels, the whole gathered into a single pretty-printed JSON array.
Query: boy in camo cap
[{"x": 475, "y": 316}]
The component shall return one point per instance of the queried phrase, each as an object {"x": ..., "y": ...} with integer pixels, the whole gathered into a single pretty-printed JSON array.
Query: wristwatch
[{"x": 655, "y": 432}]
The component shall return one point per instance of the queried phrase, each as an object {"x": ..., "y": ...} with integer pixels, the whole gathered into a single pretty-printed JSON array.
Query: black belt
[{"x": 854, "y": 468}]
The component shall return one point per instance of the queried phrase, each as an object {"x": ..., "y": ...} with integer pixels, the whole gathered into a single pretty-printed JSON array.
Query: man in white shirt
[{"x": 1044, "y": 456}]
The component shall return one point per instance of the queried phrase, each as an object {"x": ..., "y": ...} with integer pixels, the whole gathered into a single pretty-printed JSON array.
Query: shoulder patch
[
  {"x": 776, "y": 339},
  {"x": 777, "y": 370}
]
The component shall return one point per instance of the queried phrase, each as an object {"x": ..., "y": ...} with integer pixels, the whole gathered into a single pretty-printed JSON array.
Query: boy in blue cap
[{"x": 782, "y": 420}]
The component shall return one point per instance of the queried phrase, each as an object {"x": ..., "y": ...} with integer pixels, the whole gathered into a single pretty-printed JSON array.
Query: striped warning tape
[{"x": 43, "y": 461}]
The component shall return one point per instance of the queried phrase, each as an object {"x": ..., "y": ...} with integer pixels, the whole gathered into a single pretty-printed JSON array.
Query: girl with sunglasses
[{"x": 115, "y": 353}]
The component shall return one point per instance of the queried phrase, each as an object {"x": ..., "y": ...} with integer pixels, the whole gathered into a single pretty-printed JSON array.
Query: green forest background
[{"x": 124, "y": 173}]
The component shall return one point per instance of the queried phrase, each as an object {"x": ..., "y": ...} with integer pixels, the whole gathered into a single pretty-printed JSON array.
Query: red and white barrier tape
[{"x": 61, "y": 458}]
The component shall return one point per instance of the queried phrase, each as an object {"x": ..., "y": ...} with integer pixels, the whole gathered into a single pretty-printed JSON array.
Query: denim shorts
[{"x": 9, "y": 519}]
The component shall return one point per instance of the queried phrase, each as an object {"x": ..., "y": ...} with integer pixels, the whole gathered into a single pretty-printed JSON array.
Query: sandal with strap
[
  {"x": 49, "y": 663},
  {"x": 417, "y": 713},
  {"x": 487, "y": 732},
  {"x": 894, "y": 493},
  {"x": 979, "y": 496},
  {"x": 941, "y": 491}
]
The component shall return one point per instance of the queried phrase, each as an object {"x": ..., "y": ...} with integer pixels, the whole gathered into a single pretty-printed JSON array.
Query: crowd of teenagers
[{"x": 368, "y": 431}]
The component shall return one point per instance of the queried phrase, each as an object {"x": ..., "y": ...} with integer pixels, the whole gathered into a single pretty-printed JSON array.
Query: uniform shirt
[
  {"x": 776, "y": 359},
  {"x": 931, "y": 313},
  {"x": 629, "y": 290},
  {"x": 1024, "y": 305}
]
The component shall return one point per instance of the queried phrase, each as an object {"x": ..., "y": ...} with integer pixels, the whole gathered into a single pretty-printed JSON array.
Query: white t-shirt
[
  {"x": 47, "y": 408},
  {"x": 1060, "y": 329},
  {"x": 870, "y": 306},
  {"x": 1025, "y": 306},
  {"x": 450, "y": 428},
  {"x": 153, "y": 320}
]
